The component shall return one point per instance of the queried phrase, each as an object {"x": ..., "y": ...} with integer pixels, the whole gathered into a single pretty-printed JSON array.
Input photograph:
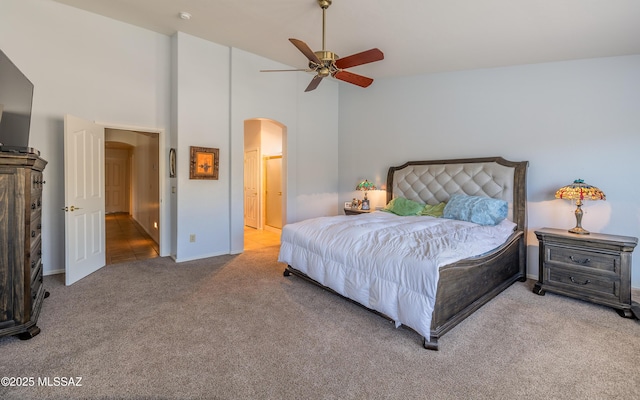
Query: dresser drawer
[
  {"x": 35, "y": 228},
  {"x": 599, "y": 285},
  {"x": 36, "y": 202},
  {"x": 35, "y": 248},
  {"x": 583, "y": 258},
  {"x": 35, "y": 265},
  {"x": 36, "y": 283}
]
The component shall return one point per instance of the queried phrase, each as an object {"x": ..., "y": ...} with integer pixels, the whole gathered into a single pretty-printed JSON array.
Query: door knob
[{"x": 72, "y": 208}]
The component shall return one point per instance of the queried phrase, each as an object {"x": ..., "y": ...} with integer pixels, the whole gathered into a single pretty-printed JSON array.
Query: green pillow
[
  {"x": 433, "y": 211},
  {"x": 404, "y": 207}
]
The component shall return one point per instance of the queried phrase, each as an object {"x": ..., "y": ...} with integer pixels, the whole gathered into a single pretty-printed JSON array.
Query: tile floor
[
  {"x": 127, "y": 241},
  {"x": 255, "y": 238}
]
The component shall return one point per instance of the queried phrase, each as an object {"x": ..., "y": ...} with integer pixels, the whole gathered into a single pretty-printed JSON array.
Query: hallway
[{"x": 126, "y": 240}]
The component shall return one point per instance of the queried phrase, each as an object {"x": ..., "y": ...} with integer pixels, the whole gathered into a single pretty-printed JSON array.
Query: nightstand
[
  {"x": 355, "y": 211},
  {"x": 594, "y": 267}
]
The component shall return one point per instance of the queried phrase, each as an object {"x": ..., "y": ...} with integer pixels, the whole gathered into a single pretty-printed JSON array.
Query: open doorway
[
  {"x": 264, "y": 191},
  {"x": 132, "y": 195}
]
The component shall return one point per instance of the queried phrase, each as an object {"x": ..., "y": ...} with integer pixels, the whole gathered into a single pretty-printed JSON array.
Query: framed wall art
[{"x": 204, "y": 163}]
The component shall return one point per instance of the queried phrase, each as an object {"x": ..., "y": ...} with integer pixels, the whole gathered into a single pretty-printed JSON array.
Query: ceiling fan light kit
[{"x": 327, "y": 63}]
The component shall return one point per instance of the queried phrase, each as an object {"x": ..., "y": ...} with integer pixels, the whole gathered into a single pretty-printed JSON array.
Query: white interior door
[
  {"x": 251, "y": 173},
  {"x": 84, "y": 198},
  {"x": 116, "y": 185},
  {"x": 273, "y": 197}
]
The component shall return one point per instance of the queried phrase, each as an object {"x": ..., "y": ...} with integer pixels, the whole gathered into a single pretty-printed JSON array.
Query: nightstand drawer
[
  {"x": 594, "y": 268},
  {"x": 583, "y": 258},
  {"x": 583, "y": 283}
]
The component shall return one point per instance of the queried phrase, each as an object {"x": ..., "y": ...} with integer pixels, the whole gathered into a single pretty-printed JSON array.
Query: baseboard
[{"x": 54, "y": 272}]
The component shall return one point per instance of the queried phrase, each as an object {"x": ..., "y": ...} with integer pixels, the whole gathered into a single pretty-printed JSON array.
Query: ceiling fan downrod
[{"x": 324, "y": 4}]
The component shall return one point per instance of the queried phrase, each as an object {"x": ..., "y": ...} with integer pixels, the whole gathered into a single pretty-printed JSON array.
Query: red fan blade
[
  {"x": 302, "y": 46},
  {"x": 365, "y": 57},
  {"x": 314, "y": 83},
  {"x": 355, "y": 79}
]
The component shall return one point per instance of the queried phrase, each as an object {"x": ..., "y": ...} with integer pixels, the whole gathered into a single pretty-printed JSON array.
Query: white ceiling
[{"x": 416, "y": 36}]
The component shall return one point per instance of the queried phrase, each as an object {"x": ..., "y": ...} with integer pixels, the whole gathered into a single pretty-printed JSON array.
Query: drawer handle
[
  {"x": 578, "y": 283},
  {"x": 584, "y": 261}
]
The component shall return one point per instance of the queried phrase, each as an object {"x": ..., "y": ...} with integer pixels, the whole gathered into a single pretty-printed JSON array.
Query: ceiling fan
[{"x": 326, "y": 63}]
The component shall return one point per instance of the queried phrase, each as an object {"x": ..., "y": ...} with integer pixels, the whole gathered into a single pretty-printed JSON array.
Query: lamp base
[{"x": 579, "y": 230}]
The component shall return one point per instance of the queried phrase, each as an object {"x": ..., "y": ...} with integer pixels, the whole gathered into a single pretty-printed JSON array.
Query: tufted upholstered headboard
[{"x": 432, "y": 182}]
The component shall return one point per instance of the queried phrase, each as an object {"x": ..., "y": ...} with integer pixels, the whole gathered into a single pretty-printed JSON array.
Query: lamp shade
[
  {"x": 365, "y": 185},
  {"x": 579, "y": 191}
]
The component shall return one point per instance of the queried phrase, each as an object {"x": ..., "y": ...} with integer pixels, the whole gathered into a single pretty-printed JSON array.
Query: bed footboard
[{"x": 465, "y": 286}]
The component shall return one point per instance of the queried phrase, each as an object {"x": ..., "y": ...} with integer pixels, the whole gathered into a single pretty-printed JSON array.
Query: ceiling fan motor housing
[
  {"x": 327, "y": 66},
  {"x": 325, "y": 56}
]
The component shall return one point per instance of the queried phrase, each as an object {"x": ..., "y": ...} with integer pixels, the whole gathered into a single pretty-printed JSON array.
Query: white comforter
[{"x": 386, "y": 262}]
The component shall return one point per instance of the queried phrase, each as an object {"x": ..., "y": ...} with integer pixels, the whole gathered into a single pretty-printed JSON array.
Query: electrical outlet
[{"x": 192, "y": 237}]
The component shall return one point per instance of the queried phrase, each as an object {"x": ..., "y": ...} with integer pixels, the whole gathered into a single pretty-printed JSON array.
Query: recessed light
[{"x": 185, "y": 15}]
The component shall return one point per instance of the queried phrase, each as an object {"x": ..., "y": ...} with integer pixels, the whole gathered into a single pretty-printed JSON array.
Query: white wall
[
  {"x": 89, "y": 66},
  {"x": 145, "y": 185},
  {"x": 270, "y": 138},
  {"x": 202, "y": 120},
  {"x": 576, "y": 119}
]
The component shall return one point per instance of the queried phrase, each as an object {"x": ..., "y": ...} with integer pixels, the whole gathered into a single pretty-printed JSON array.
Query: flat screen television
[{"x": 16, "y": 97}]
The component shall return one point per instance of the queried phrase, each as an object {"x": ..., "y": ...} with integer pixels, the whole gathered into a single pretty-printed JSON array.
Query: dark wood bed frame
[{"x": 464, "y": 286}]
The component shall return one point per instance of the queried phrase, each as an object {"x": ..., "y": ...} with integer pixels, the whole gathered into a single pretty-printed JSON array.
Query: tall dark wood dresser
[{"x": 21, "y": 290}]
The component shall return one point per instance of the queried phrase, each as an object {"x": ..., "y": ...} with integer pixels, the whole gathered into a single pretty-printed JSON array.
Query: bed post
[
  {"x": 520, "y": 212},
  {"x": 431, "y": 344}
]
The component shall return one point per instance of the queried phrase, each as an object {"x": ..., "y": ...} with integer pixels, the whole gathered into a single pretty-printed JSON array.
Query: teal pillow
[
  {"x": 477, "y": 209},
  {"x": 404, "y": 207},
  {"x": 433, "y": 210}
]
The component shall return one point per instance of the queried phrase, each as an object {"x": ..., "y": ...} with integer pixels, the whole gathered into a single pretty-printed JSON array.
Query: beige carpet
[{"x": 233, "y": 327}]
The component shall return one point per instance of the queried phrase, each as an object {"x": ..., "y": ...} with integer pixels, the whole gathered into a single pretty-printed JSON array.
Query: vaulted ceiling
[{"x": 416, "y": 36}]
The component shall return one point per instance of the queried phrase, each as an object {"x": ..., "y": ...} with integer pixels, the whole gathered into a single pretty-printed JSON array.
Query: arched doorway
[{"x": 264, "y": 182}]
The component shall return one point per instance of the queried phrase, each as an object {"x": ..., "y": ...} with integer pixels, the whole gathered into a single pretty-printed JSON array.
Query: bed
[{"x": 385, "y": 263}]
